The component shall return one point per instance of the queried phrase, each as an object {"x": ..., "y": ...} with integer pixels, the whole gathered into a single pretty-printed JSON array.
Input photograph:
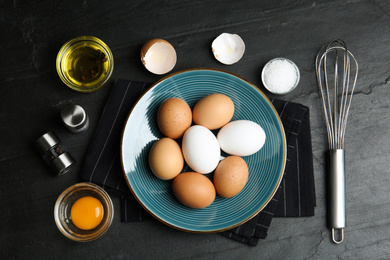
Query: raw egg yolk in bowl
[{"x": 87, "y": 213}]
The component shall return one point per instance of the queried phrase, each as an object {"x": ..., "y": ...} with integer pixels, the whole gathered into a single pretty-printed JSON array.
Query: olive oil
[{"x": 85, "y": 64}]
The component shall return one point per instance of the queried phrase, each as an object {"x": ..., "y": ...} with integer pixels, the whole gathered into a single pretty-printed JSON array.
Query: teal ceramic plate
[{"x": 265, "y": 167}]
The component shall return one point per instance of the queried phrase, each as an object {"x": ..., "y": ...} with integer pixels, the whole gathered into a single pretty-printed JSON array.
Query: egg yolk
[{"x": 87, "y": 213}]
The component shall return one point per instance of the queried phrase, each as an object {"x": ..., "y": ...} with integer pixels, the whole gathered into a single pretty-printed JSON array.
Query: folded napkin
[{"x": 295, "y": 196}]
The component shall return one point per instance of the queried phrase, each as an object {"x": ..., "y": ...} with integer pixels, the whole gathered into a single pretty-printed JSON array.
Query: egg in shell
[
  {"x": 200, "y": 149},
  {"x": 230, "y": 176},
  {"x": 241, "y": 137},
  {"x": 158, "y": 56},
  {"x": 174, "y": 117},
  {"x": 228, "y": 48},
  {"x": 213, "y": 111},
  {"x": 166, "y": 159},
  {"x": 194, "y": 190}
]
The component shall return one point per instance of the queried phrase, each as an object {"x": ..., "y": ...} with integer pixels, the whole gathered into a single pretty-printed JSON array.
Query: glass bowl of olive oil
[{"x": 85, "y": 63}]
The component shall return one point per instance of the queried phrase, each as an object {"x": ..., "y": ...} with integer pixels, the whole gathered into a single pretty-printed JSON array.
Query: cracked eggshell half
[
  {"x": 228, "y": 48},
  {"x": 158, "y": 56}
]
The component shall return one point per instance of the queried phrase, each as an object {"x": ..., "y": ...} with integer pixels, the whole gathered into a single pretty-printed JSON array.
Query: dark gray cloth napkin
[{"x": 295, "y": 196}]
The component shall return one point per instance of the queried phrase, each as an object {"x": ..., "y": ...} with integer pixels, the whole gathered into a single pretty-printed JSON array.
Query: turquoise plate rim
[{"x": 193, "y": 228}]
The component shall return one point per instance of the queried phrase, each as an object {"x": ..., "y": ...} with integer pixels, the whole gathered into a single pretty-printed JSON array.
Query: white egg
[
  {"x": 201, "y": 149},
  {"x": 228, "y": 48},
  {"x": 241, "y": 138}
]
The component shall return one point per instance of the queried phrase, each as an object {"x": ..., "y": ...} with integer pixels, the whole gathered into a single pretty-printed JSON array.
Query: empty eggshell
[
  {"x": 158, "y": 56},
  {"x": 228, "y": 48}
]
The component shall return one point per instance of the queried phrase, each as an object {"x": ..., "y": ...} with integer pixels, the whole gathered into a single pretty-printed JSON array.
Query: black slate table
[{"x": 32, "y": 95}]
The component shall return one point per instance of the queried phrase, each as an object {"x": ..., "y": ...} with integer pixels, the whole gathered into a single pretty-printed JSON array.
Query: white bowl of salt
[{"x": 280, "y": 76}]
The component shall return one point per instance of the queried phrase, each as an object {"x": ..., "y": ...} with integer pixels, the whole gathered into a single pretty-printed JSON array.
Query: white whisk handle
[{"x": 336, "y": 194}]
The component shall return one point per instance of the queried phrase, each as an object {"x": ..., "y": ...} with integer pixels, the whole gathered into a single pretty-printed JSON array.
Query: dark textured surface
[{"x": 32, "y": 96}]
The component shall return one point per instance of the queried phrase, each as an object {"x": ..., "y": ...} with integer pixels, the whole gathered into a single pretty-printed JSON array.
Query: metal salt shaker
[{"x": 75, "y": 118}]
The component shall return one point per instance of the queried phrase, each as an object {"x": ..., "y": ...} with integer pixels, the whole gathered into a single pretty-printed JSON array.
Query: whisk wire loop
[{"x": 337, "y": 91}]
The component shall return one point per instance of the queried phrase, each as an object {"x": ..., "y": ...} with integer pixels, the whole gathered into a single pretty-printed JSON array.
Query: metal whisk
[{"x": 337, "y": 71}]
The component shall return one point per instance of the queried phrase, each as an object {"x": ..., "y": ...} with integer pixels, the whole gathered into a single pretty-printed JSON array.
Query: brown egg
[
  {"x": 158, "y": 56},
  {"x": 166, "y": 159},
  {"x": 174, "y": 117},
  {"x": 230, "y": 176},
  {"x": 193, "y": 190},
  {"x": 213, "y": 111}
]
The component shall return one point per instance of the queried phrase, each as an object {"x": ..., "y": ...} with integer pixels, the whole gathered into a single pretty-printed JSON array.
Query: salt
[{"x": 280, "y": 76}]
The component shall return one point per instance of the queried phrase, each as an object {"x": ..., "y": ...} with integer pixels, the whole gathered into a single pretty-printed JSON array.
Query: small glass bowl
[
  {"x": 85, "y": 63},
  {"x": 65, "y": 202},
  {"x": 283, "y": 72}
]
